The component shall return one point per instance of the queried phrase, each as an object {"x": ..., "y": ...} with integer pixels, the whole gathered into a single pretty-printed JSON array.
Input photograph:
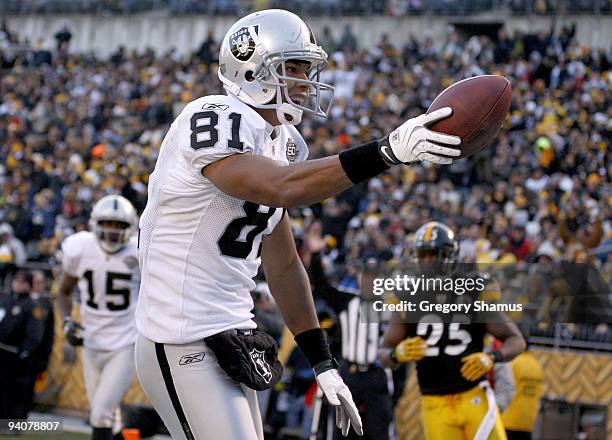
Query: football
[{"x": 480, "y": 105}]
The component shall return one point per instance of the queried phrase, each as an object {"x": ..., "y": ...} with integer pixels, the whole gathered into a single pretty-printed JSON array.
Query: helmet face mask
[
  {"x": 317, "y": 91},
  {"x": 435, "y": 249},
  {"x": 112, "y": 235},
  {"x": 113, "y": 221},
  {"x": 253, "y": 64}
]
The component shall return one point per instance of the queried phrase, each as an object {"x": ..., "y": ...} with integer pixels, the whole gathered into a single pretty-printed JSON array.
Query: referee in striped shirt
[{"x": 361, "y": 335}]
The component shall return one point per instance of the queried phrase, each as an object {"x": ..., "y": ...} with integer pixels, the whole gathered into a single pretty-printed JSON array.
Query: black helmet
[{"x": 439, "y": 238}]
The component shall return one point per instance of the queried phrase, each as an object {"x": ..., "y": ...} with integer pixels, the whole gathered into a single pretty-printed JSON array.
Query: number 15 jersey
[
  {"x": 108, "y": 286},
  {"x": 199, "y": 247}
]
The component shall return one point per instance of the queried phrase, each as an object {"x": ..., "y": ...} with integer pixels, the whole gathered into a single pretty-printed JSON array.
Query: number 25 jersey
[
  {"x": 439, "y": 372},
  {"x": 108, "y": 284},
  {"x": 199, "y": 247}
]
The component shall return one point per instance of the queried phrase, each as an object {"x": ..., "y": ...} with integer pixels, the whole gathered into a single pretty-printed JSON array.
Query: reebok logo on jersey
[
  {"x": 261, "y": 366},
  {"x": 192, "y": 358},
  {"x": 214, "y": 106}
]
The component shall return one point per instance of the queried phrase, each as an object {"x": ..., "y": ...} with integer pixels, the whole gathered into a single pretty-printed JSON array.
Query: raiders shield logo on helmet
[
  {"x": 241, "y": 43},
  {"x": 291, "y": 150},
  {"x": 261, "y": 366}
]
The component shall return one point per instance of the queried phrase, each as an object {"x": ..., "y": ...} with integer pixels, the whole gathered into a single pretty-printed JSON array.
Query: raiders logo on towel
[{"x": 261, "y": 366}]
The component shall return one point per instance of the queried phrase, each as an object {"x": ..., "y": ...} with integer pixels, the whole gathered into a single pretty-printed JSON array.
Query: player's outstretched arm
[{"x": 264, "y": 181}]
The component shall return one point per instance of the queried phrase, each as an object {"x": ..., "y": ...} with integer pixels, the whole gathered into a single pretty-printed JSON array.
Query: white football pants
[
  {"x": 194, "y": 397},
  {"x": 108, "y": 376}
]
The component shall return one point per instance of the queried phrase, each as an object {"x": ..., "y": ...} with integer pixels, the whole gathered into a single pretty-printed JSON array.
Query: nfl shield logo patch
[
  {"x": 291, "y": 150},
  {"x": 261, "y": 366}
]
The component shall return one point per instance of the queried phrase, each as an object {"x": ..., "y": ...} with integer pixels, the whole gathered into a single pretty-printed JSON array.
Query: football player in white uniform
[
  {"x": 227, "y": 169},
  {"x": 104, "y": 263}
]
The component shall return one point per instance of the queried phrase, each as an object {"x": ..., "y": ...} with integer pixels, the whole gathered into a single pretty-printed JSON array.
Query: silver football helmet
[
  {"x": 113, "y": 209},
  {"x": 252, "y": 64}
]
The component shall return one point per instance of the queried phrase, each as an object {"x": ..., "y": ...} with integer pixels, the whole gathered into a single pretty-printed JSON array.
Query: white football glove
[
  {"x": 339, "y": 396},
  {"x": 412, "y": 141}
]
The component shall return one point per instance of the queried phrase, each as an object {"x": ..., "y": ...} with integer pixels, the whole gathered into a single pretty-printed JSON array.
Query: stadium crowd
[
  {"x": 310, "y": 7},
  {"x": 74, "y": 128}
]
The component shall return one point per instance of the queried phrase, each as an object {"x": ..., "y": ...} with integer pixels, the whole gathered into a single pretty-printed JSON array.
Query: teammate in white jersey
[
  {"x": 227, "y": 169},
  {"x": 104, "y": 264}
]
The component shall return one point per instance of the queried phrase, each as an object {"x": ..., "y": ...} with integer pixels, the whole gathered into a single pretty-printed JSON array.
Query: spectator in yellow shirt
[{"x": 520, "y": 416}]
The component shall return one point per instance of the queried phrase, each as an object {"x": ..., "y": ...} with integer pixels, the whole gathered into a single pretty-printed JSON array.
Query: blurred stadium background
[{"x": 89, "y": 88}]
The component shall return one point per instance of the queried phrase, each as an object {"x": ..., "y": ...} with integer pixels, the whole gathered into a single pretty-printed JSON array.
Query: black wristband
[
  {"x": 322, "y": 367},
  {"x": 363, "y": 162},
  {"x": 497, "y": 356},
  {"x": 314, "y": 346}
]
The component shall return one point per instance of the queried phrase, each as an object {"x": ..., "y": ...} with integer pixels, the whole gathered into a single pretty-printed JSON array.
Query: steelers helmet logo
[{"x": 241, "y": 43}]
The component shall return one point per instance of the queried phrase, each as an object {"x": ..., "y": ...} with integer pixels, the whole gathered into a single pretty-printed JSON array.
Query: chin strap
[{"x": 288, "y": 114}]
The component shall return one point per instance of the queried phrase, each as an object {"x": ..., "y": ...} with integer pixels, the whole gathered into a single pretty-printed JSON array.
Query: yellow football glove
[
  {"x": 410, "y": 350},
  {"x": 476, "y": 365}
]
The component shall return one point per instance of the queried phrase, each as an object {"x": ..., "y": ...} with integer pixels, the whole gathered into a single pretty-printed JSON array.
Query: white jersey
[
  {"x": 199, "y": 247},
  {"x": 108, "y": 284}
]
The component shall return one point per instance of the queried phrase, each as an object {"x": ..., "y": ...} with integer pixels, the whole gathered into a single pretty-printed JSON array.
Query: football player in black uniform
[{"x": 457, "y": 402}]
